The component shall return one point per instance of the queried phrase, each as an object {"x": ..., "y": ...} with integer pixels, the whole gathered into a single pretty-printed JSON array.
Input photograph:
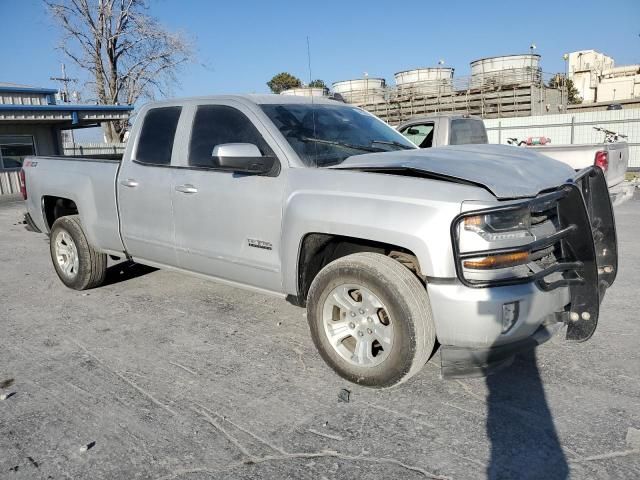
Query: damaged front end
[{"x": 569, "y": 241}]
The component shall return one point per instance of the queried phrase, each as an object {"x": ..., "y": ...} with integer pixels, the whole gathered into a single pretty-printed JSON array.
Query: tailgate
[{"x": 618, "y": 162}]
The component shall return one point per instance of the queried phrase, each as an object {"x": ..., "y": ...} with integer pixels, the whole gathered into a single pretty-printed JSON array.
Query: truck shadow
[
  {"x": 126, "y": 270},
  {"x": 524, "y": 441}
]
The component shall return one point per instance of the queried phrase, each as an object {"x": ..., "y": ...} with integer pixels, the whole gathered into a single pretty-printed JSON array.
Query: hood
[{"x": 507, "y": 172}]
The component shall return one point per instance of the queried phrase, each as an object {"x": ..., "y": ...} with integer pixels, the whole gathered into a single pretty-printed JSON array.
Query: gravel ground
[{"x": 159, "y": 375}]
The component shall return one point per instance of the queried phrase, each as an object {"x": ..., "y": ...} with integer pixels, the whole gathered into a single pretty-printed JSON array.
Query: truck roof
[
  {"x": 445, "y": 114},
  {"x": 258, "y": 99}
]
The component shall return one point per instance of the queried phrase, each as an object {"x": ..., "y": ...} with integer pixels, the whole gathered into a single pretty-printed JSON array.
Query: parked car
[
  {"x": 456, "y": 129},
  {"x": 487, "y": 249}
]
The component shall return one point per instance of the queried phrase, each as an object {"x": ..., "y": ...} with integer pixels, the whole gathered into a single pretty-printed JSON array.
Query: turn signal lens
[
  {"x": 473, "y": 223},
  {"x": 497, "y": 261}
]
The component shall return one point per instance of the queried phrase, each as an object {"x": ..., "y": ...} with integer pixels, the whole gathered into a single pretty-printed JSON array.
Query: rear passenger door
[
  {"x": 145, "y": 189},
  {"x": 228, "y": 224}
]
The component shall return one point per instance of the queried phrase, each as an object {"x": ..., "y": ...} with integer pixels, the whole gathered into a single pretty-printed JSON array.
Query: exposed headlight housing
[
  {"x": 499, "y": 245},
  {"x": 502, "y": 225}
]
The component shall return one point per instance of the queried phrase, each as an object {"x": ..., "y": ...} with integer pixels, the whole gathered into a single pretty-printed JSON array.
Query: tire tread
[
  {"x": 96, "y": 261},
  {"x": 414, "y": 294}
]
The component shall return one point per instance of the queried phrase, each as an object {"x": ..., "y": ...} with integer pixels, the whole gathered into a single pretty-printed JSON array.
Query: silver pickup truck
[
  {"x": 442, "y": 129},
  {"x": 485, "y": 250}
]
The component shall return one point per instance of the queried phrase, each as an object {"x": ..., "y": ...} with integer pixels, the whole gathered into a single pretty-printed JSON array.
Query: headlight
[
  {"x": 510, "y": 243},
  {"x": 488, "y": 230},
  {"x": 492, "y": 245},
  {"x": 502, "y": 225}
]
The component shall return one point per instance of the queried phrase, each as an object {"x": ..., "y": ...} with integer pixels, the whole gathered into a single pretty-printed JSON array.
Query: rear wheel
[
  {"x": 77, "y": 263},
  {"x": 370, "y": 319}
]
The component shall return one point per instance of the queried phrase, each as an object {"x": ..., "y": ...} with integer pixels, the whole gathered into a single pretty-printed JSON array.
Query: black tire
[
  {"x": 406, "y": 300},
  {"x": 92, "y": 265}
]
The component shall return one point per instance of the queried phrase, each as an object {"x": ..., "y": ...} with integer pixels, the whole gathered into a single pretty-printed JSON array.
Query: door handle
[
  {"x": 186, "y": 188},
  {"x": 129, "y": 182}
]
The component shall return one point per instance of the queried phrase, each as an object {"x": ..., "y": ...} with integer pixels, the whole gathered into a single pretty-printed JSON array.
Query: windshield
[{"x": 324, "y": 135}]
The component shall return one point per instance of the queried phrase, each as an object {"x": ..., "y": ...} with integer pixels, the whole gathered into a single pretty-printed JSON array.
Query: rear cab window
[
  {"x": 155, "y": 143},
  {"x": 466, "y": 131}
]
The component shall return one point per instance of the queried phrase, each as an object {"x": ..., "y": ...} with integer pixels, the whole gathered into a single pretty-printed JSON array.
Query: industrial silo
[
  {"x": 361, "y": 91},
  {"x": 505, "y": 71},
  {"x": 427, "y": 81},
  {"x": 305, "y": 92}
]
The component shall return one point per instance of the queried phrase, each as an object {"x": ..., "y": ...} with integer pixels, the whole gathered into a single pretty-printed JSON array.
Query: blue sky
[{"x": 244, "y": 43}]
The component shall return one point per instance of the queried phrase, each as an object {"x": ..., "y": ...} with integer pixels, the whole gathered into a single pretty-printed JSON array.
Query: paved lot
[{"x": 175, "y": 377}]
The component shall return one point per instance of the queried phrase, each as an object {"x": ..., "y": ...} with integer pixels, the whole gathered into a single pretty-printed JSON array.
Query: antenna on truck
[{"x": 313, "y": 110}]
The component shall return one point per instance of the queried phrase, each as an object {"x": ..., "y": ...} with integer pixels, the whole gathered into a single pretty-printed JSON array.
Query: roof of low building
[
  {"x": 18, "y": 88},
  {"x": 25, "y": 103}
]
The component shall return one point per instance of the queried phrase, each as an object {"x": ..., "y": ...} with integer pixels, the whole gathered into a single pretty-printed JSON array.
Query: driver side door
[
  {"x": 227, "y": 224},
  {"x": 421, "y": 134}
]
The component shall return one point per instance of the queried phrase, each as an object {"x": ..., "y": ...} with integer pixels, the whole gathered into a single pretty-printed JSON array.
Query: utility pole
[
  {"x": 64, "y": 92},
  {"x": 532, "y": 49},
  {"x": 565, "y": 57}
]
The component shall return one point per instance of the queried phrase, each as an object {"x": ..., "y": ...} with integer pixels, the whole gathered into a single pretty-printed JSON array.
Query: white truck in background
[{"x": 459, "y": 129}]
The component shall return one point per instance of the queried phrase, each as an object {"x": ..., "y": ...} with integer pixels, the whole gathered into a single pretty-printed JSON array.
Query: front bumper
[
  {"x": 472, "y": 317},
  {"x": 468, "y": 315},
  {"x": 460, "y": 362}
]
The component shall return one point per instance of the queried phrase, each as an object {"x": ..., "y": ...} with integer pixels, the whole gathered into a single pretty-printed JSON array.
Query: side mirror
[{"x": 242, "y": 158}]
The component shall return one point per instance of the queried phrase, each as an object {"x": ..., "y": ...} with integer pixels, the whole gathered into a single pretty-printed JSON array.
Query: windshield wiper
[
  {"x": 394, "y": 143},
  {"x": 342, "y": 144}
]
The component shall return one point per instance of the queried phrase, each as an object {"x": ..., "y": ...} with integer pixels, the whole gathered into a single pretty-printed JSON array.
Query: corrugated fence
[
  {"x": 571, "y": 128},
  {"x": 88, "y": 149},
  {"x": 9, "y": 183}
]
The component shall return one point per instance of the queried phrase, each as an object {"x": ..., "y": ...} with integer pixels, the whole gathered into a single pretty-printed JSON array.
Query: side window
[
  {"x": 218, "y": 124},
  {"x": 421, "y": 135},
  {"x": 157, "y": 134}
]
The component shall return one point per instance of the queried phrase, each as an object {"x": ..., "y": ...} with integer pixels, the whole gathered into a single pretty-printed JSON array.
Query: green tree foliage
[
  {"x": 283, "y": 81},
  {"x": 558, "y": 81},
  {"x": 317, "y": 84}
]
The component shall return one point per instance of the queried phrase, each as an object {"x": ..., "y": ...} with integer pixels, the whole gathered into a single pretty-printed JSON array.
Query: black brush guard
[
  {"x": 594, "y": 244},
  {"x": 588, "y": 246}
]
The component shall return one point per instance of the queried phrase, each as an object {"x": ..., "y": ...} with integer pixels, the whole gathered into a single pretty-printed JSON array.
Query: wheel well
[
  {"x": 56, "y": 207},
  {"x": 320, "y": 249}
]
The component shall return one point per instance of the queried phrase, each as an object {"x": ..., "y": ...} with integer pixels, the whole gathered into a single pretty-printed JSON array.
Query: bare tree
[{"x": 127, "y": 54}]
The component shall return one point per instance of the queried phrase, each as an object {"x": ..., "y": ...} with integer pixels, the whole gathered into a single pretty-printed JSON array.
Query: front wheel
[
  {"x": 370, "y": 319},
  {"x": 77, "y": 263}
]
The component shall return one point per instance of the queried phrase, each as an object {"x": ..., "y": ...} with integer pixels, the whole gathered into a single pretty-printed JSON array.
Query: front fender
[{"x": 418, "y": 226}]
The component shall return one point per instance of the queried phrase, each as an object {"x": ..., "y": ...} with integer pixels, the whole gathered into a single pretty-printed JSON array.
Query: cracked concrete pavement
[{"x": 178, "y": 378}]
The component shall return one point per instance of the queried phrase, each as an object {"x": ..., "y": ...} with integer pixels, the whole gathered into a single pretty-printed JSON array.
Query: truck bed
[
  {"x": 583, "y": 156},
  {"x": 89, "y": 182}
]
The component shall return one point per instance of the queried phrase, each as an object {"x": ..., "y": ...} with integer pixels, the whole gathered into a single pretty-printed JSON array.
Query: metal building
[{"x": 31, "y": 123}]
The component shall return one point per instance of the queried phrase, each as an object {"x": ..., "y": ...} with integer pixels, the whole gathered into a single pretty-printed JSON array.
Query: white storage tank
[
  {"x": 305, "y": 92},
  {"x": 361, "y": 91},
  {"x": 506, "y": 70},
  {"x": 427, "y": 81}
]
